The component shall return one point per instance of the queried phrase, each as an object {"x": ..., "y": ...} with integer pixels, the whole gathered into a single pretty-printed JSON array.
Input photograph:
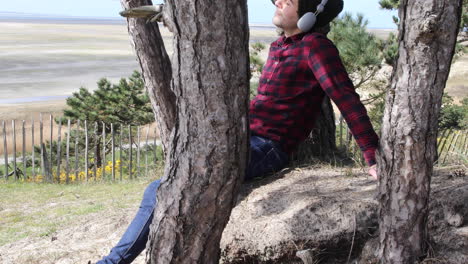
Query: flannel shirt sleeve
[{"x": 328, "y": 69}]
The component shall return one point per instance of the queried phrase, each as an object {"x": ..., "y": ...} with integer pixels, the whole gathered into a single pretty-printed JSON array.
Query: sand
[
  {"x": 42, "y": 64},
  {"x": 55, "y": 60}
]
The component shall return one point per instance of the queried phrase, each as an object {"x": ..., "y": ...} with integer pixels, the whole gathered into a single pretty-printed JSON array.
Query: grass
[{"x": 38, "y": 210}]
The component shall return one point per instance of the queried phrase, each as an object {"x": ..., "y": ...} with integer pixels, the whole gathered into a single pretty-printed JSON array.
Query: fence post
[
  {"x": 103, "y": 163},
  {"x": 59, "y": 149},
  {"x": 439, "y": 150},
  {"x": 121, "y": 152},
  {"x": 464, "y": 147},
  {"x": 33, "y": 150},
  {"x": 452, "y": 145},
  {"x": 130, "y": 152},
  {"x": 443, "y": 145},
  {"x": 46, "y": 161},
  {"x": 146, "y": 152},
  {"x": 77, "y": 136},
  {"x": 86, "y": 149},
  {"x": 349, "y": 138},
  {"x": 5, "y": 149},
  {"x": 51, "y": 176},
  {"x": 24, "y": 150},
  {"x": 138, "y": 152},
  {"x": 41, "y": 140},
  {"x": 96, "y": 150},
  {"x": 155, "y": 148},
  {"x": 113, "y": 151},
  {"x": 341, "y": 131},
  {"x": 13, "y": 124},
  {"x": 67, "y": 166}
]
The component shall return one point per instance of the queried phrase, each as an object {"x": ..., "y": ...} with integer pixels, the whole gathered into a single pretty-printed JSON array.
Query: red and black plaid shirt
[{"x": 299, "y": 71}]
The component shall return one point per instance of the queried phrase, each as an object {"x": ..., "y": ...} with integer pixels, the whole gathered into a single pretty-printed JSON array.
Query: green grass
[{"x": 38, "y": 210}]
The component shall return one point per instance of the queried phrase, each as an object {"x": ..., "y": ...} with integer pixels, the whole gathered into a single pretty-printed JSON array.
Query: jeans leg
[
  {"x": 134, "y": 239},
  {"x": 266, "y": 157}
]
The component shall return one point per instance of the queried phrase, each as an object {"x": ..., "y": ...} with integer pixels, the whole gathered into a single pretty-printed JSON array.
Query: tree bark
[
  {"x": 207, "y": 149},
  {"x": 156, "y": 69},
  {"x": 321, "y": 142},
  {"x": 428, "y": 32}
]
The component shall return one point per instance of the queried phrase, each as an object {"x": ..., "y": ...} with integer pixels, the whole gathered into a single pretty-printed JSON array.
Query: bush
[
  {"x": 126, "y": 103},
  {"x": 359, "y": 49},
  {"x": 453, "y": 116}
]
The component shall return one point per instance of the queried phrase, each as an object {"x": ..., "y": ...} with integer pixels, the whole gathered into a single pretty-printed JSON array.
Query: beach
[{"x": 45, "y": 61}]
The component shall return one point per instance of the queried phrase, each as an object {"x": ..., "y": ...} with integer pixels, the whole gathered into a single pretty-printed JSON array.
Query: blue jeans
[{"x": 266, "y": 157}]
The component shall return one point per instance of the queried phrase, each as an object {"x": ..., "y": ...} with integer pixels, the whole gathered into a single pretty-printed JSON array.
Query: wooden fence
[
  {"x": 82, "y": 151},
  {"x": 66, "y": 152},
  {"x": 452, "y": 145}
]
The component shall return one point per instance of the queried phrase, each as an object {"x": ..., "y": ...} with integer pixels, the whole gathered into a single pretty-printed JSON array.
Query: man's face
[{"x": 286, "y": 15}]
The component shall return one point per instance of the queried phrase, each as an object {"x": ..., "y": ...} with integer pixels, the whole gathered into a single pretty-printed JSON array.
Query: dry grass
[
  {"x": 66, "y": 223},
  {"x": 457, "y": 84}
]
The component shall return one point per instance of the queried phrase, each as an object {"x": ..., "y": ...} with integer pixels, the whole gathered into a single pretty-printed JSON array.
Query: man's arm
[{"x": 325, "y": 63}]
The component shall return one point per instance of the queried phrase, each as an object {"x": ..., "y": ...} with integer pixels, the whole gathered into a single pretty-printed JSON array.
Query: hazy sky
[{"x": 260, "y": 11}]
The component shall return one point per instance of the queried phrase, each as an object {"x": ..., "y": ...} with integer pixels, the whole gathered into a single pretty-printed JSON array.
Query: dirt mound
[
  {"x": 333, "y": 216},
  {"x": 317, "y": 209}
]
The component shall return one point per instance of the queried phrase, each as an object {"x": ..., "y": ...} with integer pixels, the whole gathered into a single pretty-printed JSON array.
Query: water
[
  {"x": 31, "y": 99},
  {"x": 50, "y": 58}
]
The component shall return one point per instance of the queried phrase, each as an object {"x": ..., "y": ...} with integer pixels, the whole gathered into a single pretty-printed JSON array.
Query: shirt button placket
[{"x": 274, "y": 70}]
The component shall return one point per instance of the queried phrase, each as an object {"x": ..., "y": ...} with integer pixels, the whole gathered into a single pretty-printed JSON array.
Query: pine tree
[
  {"x": 391, "y": 45},
  {"x": 126, "y": 103},
  {"x": 359, "y": 49},
  {"x": 123, "y": 104}
]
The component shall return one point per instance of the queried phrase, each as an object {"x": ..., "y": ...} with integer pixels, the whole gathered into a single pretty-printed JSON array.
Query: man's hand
[
  {"x": 152, "y": 13},
  {"x": 373, "y": 172}
]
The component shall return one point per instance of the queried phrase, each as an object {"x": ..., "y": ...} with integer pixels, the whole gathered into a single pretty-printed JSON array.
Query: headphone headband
[
  {"x": 320, "y": 7},
  {"x": 307, "y": 21}
]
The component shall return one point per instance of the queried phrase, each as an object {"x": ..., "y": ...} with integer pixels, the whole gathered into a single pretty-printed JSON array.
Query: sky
[{"x": 260, "y": 11}]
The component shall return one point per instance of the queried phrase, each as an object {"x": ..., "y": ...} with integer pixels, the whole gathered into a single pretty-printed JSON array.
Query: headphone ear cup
[{"x": 307, "y": 21}]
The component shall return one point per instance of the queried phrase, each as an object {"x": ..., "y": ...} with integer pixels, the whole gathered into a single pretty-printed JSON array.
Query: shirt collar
[{"x": 292, "y": 39}]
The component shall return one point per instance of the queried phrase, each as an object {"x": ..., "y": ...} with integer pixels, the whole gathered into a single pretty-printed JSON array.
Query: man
[{"x": 302, "y": 67}]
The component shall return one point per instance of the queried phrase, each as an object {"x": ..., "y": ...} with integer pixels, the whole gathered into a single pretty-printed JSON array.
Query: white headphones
[{"x": 307, "y": 21}]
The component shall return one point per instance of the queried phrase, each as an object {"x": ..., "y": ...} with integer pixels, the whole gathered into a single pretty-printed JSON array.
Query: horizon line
[{"x": 7, "y": 15}]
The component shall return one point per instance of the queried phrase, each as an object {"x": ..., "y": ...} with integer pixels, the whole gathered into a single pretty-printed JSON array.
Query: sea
[{"x": 47, "y": 58}]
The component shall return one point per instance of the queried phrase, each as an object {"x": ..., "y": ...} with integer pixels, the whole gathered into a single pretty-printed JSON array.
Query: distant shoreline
[
  {"x": 63, "y": 53},
  {"x": 36, "y": 19},
  {"x": 22, "y": 100},
  {"x": 92, "y": 21},
  {"x": 62, "y": 20}
]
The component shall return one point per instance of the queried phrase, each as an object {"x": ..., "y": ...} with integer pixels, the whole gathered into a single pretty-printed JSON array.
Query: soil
[{"x": 90, "y": 237}]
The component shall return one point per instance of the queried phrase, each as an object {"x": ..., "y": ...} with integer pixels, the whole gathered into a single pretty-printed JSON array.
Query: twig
[{"x": 352, "y": 241}]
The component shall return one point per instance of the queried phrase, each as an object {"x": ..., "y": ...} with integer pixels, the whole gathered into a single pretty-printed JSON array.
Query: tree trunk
[
  {"x": 207, "y": 149},
  {"x": 321, "y": 142},
  {"x": 156, "y": 70},
  {"x": 428, "y": 32}
]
